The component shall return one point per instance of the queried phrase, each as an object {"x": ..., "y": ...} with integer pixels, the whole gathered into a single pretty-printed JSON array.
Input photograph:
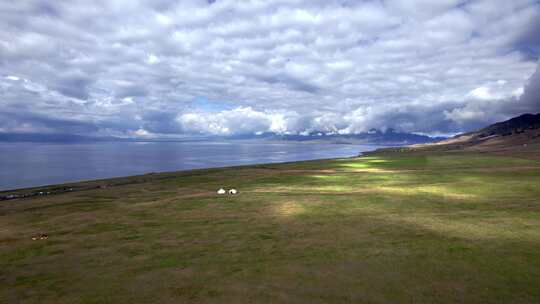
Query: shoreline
[
  {"x": 55, "y": 170},
  {"x": 104, "y": 183}
]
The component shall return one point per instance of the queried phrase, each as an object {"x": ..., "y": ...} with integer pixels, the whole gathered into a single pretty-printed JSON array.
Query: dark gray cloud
[
  {"x": 530, "y": 100},
  {"x": 291, "y": 83},
  {"x": 139, "y": 68},
  {"x": 29, "y": 122}
]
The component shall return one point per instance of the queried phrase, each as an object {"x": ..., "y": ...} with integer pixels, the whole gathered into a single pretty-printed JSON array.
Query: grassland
[{"x": 397, "y": 228}]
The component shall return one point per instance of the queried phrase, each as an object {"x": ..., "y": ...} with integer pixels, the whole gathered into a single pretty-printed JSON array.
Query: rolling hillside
[{"x": 518, "y": 136}]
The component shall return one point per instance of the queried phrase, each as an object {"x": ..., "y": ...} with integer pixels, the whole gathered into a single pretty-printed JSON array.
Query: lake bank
[
  {"x": 433, "y": 227},
  {"x": 27, "y": 165}
]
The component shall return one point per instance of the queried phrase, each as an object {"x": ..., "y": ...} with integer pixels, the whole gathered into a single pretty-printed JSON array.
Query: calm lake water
[{"x": 37, "y": 164}]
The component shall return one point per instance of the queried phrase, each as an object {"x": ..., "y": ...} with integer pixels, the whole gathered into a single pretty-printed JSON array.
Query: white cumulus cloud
[{"x": 299, "y": 66}]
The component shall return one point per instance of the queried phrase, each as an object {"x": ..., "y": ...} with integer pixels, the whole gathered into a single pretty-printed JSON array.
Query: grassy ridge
[{"x": 420, "y": 228}]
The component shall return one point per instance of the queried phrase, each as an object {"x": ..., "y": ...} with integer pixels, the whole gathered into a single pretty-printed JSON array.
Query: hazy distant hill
[
  {"x": 72, "y": 138},
  {"x": 41, "y": 137}
]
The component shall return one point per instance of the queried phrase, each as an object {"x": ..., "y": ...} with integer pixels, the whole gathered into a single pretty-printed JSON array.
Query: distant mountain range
[
  {"x": 389, "y": 137},
  {"x": 45, "y": 137}
]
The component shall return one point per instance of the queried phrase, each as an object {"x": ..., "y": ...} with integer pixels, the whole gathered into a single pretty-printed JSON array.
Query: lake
[{"x": 38, "y": 164}]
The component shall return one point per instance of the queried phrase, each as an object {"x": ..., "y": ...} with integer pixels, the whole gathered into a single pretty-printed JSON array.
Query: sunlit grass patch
[
  {"x": 371, "y": 170},
  {"x": 476, "y": 161},
  {"x": 470, "y": 227},
  {"x": 434, "y": 190}
]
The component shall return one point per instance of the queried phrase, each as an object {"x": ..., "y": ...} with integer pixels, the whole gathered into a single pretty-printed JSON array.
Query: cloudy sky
[{"x": 175, "y": 68}]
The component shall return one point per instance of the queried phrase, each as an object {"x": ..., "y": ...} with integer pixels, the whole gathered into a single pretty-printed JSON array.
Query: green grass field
[{"x": 411, "y": 228}]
